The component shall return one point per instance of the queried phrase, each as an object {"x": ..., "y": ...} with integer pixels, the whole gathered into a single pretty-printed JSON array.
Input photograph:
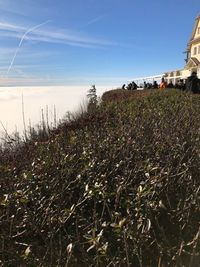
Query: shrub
[{"x": 118, "y": 187}]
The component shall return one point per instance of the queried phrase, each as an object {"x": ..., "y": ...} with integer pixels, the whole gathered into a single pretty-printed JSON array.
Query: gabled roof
[
  {"x": 192, "y": 62},
  {"x": 195, "y": 60}
]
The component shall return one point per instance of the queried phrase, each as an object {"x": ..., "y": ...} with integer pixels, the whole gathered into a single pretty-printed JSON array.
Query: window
[
  {"x": 199, "y": 49},
  {"x": 195, "y": 51},
  {"x": 198, "y": 30}
]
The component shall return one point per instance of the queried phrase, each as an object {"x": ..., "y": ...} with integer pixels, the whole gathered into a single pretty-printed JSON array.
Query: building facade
[{"x": 192, "y": 57}]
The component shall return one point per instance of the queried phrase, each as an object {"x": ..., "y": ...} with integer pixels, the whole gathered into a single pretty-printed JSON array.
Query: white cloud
[
  {"x": 47, "y": 34},
  {"x": 59, "y": 98},
  {"x": 53, "y": 35},
  {"x": 10, "y": 27}
]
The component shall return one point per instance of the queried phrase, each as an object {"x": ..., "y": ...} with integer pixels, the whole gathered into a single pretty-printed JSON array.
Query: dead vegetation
[{"x": 118, "y": 186}]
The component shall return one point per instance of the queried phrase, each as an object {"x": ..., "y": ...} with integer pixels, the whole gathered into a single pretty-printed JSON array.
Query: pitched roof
[
  {"x": 195, "y": 60},
  {"x": 192, "y": 61}
]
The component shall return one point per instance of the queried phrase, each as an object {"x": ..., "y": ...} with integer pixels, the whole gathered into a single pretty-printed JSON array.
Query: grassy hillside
[{"x": 118, "y": 186}]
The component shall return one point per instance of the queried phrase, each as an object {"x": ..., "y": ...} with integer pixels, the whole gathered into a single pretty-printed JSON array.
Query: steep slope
[{"x": 117, "y": 187}]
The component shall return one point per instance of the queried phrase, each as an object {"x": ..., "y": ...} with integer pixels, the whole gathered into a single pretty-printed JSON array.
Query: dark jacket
[{"x": 193, "y": 84}]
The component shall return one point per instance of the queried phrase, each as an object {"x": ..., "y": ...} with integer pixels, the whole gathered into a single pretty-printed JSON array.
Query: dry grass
[{"x": 117, "y": 187}]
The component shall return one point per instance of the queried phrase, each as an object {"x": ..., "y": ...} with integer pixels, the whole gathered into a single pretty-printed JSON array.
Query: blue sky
[{"x": 84, "y": 42}]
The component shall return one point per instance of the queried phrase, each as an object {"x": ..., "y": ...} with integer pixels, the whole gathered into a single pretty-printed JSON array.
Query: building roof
[
  {"x": 192, "y": 62},
  {"x": 195, "y": 60},
  {"x": 194, "y": 30}
]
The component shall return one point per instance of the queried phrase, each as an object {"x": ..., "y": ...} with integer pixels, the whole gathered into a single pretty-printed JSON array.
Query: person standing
[
  {"x": 123, "y": 86},
  {"x": 155, "y": 85},
  {"x": 193, "y": 83},
  {"x": 163, "y": 84}
]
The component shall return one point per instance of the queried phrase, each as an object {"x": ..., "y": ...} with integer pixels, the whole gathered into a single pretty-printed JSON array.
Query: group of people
[
  {"x": 153, "y": 85},
  {"x": 130, "y": 86},
  {"x": 191, "y": 84},
  {"x": 179, "y": 85}
]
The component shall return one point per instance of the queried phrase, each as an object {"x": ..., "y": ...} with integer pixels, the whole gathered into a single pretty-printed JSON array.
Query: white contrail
[{"x": 21, "y": 41}]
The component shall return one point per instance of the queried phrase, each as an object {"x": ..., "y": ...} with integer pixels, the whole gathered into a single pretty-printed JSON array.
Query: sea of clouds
[{"x": 35, "y": 99}]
